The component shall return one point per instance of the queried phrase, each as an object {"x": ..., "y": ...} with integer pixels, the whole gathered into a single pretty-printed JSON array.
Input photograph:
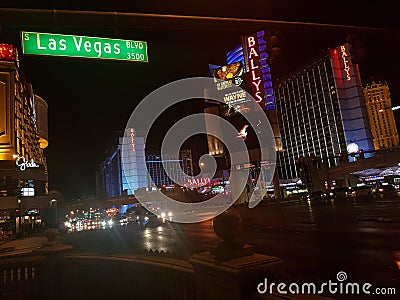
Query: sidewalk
[{"x": 13, "y": 246}]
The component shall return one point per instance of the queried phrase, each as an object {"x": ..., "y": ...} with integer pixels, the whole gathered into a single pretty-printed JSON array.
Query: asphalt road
[{"x": 315, "y": 240}]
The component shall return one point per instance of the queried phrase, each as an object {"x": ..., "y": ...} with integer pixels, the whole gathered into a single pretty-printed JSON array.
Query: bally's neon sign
[
  {"x": 23, "y": 164},
  {"x": 345, "y": 62},
  {"x": 254, "y": 68},
  {"x": 259, "y": 69},
  {"x": 133, "y": 140},
  {"x": 196, "y": 182}
]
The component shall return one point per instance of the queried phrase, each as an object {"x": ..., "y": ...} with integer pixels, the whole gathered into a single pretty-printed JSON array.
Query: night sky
[{"x": 91, "y": 99}]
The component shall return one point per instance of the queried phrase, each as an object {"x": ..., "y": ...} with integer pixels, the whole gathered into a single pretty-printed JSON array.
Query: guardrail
[
  {"x": 74, "y": 276},
  {"x": 20, "y": 277}
]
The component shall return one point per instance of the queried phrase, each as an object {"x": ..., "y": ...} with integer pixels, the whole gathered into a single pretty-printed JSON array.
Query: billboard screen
[{"x": 228, "y": 76}]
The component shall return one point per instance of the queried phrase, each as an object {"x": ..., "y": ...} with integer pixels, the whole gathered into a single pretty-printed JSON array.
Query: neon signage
[
  {"x": 346, "y": 63},
  {"x": 23, "y": 164},
  {"x": 235, "y": 97},
  {"x": 133, "y": 140},
  {"x": 259, "y": 69},
  {"x": 254, "y": 67},
  {"x": 198, "y": 182}
]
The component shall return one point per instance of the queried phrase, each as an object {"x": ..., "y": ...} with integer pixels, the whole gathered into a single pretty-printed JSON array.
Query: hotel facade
[
  {"x": 23, "y": 137},
  {"x": 127, "y": 167},
  {"x": 321, "y": 110}
]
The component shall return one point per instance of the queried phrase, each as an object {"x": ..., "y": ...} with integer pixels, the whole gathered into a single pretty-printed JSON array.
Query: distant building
[
  {"x": 157, "y": 166},
  {"x": 117, "y": 175},
  {"x": 113, "y": 179},
  {"x": 380, "y": 114}
]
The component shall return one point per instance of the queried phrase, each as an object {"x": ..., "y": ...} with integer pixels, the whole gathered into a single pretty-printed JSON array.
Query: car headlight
[
  {"x": 163, "y": 215},
  {"x": 169, "y": 214},
  {"x": 103, "y": 223},
  {"x": 146, "y": 218},
  {"x": 110, "y": 222}
]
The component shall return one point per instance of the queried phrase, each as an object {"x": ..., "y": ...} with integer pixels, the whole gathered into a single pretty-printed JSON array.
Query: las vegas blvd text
[{"x": 85, "y": 46}]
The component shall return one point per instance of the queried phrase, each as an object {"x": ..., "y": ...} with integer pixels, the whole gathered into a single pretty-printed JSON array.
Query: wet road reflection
[{"x": 359, "y": 235}]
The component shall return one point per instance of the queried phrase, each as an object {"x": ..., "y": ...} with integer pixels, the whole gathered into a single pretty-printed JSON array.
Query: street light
[{"x": 53, "y": 203}]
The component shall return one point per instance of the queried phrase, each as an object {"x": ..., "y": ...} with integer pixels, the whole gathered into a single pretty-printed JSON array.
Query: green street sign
[{"x": 83, "y": 46}]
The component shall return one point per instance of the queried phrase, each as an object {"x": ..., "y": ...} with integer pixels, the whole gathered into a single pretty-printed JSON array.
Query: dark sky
[{"x": 89, "y": 99}]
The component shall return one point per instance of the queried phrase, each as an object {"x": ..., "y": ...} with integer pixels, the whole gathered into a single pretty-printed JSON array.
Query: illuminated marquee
[
  {"x": 346, "y": 63},
  {"x": 260, "y": 73},
  {"x": 235, "y": 97}
]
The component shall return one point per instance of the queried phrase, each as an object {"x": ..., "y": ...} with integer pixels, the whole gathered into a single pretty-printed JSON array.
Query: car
[
  {"x": 143, "y": 217},
  {"x": 383, "y": 190},
  {"x": 339, "y": 193},
  {"x": 363, "y": 191},
  {"x": 312, "y": 196}
]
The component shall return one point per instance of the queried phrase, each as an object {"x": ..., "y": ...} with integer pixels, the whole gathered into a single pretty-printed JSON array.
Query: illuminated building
[
  {"x": 23, "y": 136},
  {"x": 321, "y": 110},
  {"x": 248, "y": 70},
  {"x": 380, "y": 114},
  {"x": 247, "y": 73},
  {"x": 156, "y": 166},
  {"x": 117, "y": 175},
  {"x": 115, "y": 180}
]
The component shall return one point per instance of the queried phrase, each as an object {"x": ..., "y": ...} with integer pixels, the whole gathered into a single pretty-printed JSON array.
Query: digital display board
[
  {"x": 50, "y": 44},
  {"x": 228, "y": 76}
]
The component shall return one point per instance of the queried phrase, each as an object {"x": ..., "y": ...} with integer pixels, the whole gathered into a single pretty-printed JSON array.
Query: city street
[{"x": 315, "y": 240}]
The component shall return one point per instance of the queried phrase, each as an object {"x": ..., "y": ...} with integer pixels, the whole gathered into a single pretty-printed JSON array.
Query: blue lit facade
[
  {"x": 235, "y": 55},
  {"x": 128, "y": 168}
]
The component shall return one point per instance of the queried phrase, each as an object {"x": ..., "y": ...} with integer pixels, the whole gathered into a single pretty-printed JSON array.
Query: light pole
[{"x": 53, "y": 203}]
